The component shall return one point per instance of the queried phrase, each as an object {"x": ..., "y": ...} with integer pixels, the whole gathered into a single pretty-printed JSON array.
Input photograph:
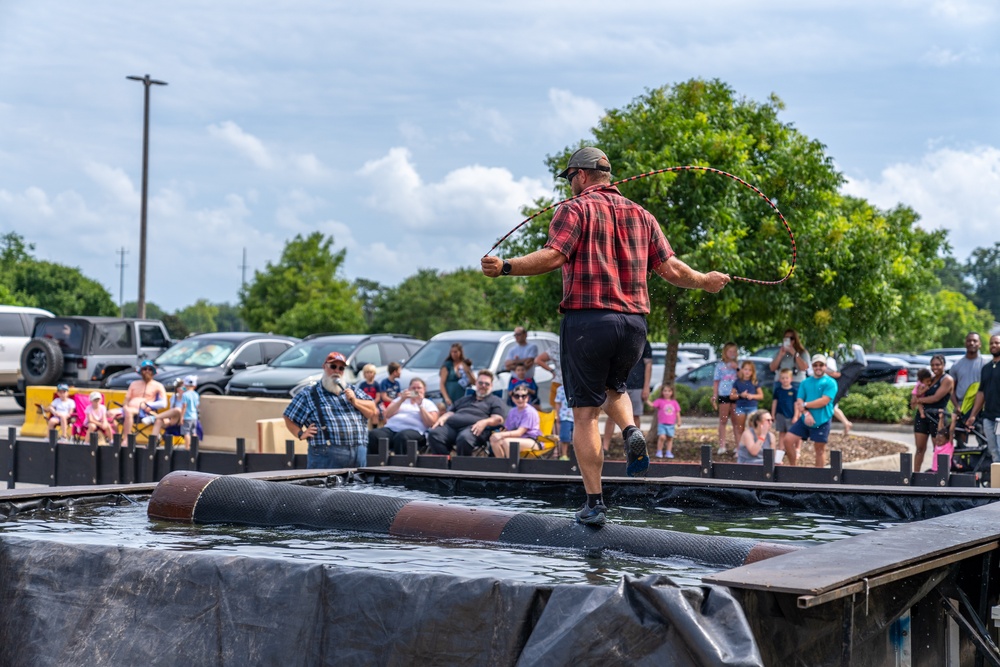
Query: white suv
[{"x": 16, "y": 325}]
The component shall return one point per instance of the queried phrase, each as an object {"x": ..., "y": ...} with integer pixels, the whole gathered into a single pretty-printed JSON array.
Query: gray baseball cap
[{"x": 587, "y": 157}]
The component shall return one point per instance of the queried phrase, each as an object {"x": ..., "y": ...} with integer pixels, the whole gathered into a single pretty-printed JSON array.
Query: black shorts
[
  {"x": 725, "y": 399},
  {"x": 597, "y": 350},
  {"x": 928, "y": 424}
]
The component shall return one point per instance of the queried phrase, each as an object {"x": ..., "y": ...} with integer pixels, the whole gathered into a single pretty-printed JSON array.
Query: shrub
[
  {"x": 703, "y": 401},
  {"x": 887, "y": 408},
  {"x": 884, "y": 404},
  {"x": 685, "y": 397},
  {"x": 855, "y": 405},
  {"x": 765, "y": 403}
]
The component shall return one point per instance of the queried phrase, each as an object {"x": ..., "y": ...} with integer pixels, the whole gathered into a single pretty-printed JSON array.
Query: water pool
[{"x": 125, "y": 524}]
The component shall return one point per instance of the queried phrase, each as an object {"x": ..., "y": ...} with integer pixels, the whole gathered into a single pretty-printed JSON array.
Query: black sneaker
[
  {"x": 592, "y": 516},
  {"x": 636, "y": 454}
]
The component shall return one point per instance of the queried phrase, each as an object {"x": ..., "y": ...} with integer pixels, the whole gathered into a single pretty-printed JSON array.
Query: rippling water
[{"x": 126, "y": 525}]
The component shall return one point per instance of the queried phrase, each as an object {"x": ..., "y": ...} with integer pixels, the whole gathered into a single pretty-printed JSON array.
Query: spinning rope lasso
[{"x": 683, "y": 168}]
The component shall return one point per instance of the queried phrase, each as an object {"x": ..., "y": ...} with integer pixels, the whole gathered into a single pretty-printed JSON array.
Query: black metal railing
[{"x": 52, "y": 463}]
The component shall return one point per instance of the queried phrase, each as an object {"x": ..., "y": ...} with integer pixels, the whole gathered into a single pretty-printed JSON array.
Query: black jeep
[{"x": 85, "y": 351}]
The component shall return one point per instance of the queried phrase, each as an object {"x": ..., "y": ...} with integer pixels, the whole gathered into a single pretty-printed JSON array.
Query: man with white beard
[{"x": 333, "y": 418}]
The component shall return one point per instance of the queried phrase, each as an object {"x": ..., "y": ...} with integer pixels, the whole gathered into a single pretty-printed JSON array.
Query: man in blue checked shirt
[{"x": 333, "y": 418}]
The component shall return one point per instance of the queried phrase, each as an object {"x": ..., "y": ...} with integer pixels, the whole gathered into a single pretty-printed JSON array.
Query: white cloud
[
  {"x": 574, "y": 115},
  {"x": 940, "y": 57},
  {"x": 246, "y": 144},
  {"x": 950, "y": 189},
  {"x": 469, "y": 200},
  {"x": 114, "y": 181},
  {"x": 304, "y": 165},
  {"x": 488, "y": 120}
]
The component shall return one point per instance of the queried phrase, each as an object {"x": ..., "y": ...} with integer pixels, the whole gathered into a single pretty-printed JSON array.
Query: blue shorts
[
  {"x": 818, "y": 433},
  {"x": 666, "y": 429},
  {"x": 565, "y": 431}
]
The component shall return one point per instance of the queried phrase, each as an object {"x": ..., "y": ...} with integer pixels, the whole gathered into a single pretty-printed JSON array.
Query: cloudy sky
[{"x": 414, "y": 132}]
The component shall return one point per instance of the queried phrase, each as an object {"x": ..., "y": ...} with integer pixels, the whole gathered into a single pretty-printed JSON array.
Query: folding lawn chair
[{"x": 547, "y": 442}]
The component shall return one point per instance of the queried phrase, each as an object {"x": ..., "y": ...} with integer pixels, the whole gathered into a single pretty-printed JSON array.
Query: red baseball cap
[{"x": 336, "y": 356}]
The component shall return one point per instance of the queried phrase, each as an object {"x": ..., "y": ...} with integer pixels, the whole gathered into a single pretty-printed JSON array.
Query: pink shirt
[
  {"x": 96, "y": 414},
  {"x": 667, "y": 410}
]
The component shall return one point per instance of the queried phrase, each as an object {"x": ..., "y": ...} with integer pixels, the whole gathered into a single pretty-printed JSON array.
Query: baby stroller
[{"x": 971, "y": 455}]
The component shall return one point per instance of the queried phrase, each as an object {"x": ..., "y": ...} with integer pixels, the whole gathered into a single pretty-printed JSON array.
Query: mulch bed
[{"x": 688, "y": 443}]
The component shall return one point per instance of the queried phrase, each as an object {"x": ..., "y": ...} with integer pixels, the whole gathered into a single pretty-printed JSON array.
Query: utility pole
[
  {"x": 243, "y": 269},
  {"x": 121, "y": 280},
  {"x": 147, "y": 82}
]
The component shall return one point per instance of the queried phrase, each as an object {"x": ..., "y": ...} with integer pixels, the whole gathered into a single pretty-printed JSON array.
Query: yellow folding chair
[{"x": 547, "y": 441}]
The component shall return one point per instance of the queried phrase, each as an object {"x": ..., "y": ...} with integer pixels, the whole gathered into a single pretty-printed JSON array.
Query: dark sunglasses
[
  {"x": 520, "y": 396},
  {"x": 573, "y": 174},
  {"x": 337, "y": 367}
]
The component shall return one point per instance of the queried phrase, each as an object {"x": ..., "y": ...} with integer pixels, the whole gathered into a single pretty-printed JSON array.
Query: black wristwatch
[
  {"x": 301, "y": 431},
  {"x": 505, "y": 271}
]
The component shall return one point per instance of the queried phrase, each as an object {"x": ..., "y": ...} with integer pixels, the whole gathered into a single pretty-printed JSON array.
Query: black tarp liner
[
  {"x": 71, "y": 604},
  {"x": 878, "y": 504}
]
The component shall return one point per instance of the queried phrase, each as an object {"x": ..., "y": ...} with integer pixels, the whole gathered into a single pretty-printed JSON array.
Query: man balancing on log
[{"x": 606, "y": 245}]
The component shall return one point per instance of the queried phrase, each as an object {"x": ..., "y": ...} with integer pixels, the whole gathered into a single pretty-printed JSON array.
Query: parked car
[
  {"x": 486, "y": 349},
  {"x": 704, "y": 350},
  {"x": 686, "y": 361},
  {"x": 888, "y": 368},
  {"x": 301, "y": 365},
  {"x": 16, "y": 325},
  {"x": 212, "y": 357},
  {"x": 86, "y": 351},
  {"x": 704, "y": 375}
]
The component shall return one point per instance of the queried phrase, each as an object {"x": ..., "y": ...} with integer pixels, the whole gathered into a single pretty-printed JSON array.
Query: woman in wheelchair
[{"x": 520, "y": 428}]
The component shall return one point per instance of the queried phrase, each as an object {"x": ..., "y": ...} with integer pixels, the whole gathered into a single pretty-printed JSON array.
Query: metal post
[{"x": 147, "y": 82}]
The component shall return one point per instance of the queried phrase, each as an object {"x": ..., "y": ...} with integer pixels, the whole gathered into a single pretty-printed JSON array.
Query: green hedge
[{"x": 878, "y": 401}]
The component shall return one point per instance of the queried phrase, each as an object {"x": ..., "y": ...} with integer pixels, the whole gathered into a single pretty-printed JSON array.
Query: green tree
[
  {"x": 858, "y": 269},
  {"x": 61, "y": 289},
  {"x": 302, "y": 294},
  {"x": 956, "y": 317},
  {"x": 369, "y": 293},
  {"x": 430, "y": 302},
  {"x": 228, "y": 318},
  {"x": 983, "y": 268},
  {"x": 153, "y": 311},
  {"x": 952, "y": 276},
  {"x": 199, "y": 316}
]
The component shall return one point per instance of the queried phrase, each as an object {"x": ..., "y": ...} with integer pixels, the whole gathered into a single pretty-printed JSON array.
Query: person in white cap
[
  {"x": 605, "y": 245},
  {"x": 97, "y": 416},
  {"x": 815, "y": 403}
]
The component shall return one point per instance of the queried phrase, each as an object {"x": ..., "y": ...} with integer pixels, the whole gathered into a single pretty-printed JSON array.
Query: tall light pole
[{"x": 147, "y": 82}]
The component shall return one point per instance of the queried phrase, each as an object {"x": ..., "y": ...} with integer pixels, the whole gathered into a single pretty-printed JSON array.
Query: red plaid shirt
[{"x": 610, "y": 244}]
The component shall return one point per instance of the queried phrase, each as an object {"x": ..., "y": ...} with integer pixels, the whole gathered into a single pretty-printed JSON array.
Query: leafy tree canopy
[
  {"x": 302, "y": 294},
  {"x": 861, "y": 272},
  {"x": 61, "y": 289},
  {"x": 430, "y": 302},
  {"x": 983, "y": 268}
]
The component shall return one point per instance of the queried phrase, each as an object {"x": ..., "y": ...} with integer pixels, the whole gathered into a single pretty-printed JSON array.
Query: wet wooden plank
[{"x": 829, "y": 566}]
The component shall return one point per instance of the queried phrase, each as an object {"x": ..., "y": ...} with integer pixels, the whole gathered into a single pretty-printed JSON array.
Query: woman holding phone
[{"x": 791, "y": 355}]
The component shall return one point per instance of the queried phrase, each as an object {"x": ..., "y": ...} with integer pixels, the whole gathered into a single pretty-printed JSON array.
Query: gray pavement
[{"x": 900, "y": 433}]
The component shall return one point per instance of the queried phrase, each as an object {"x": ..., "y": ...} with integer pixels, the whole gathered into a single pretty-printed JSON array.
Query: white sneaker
[
  {"x": 148, "y": 420},
  {"x": 721, "y": 450}
]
